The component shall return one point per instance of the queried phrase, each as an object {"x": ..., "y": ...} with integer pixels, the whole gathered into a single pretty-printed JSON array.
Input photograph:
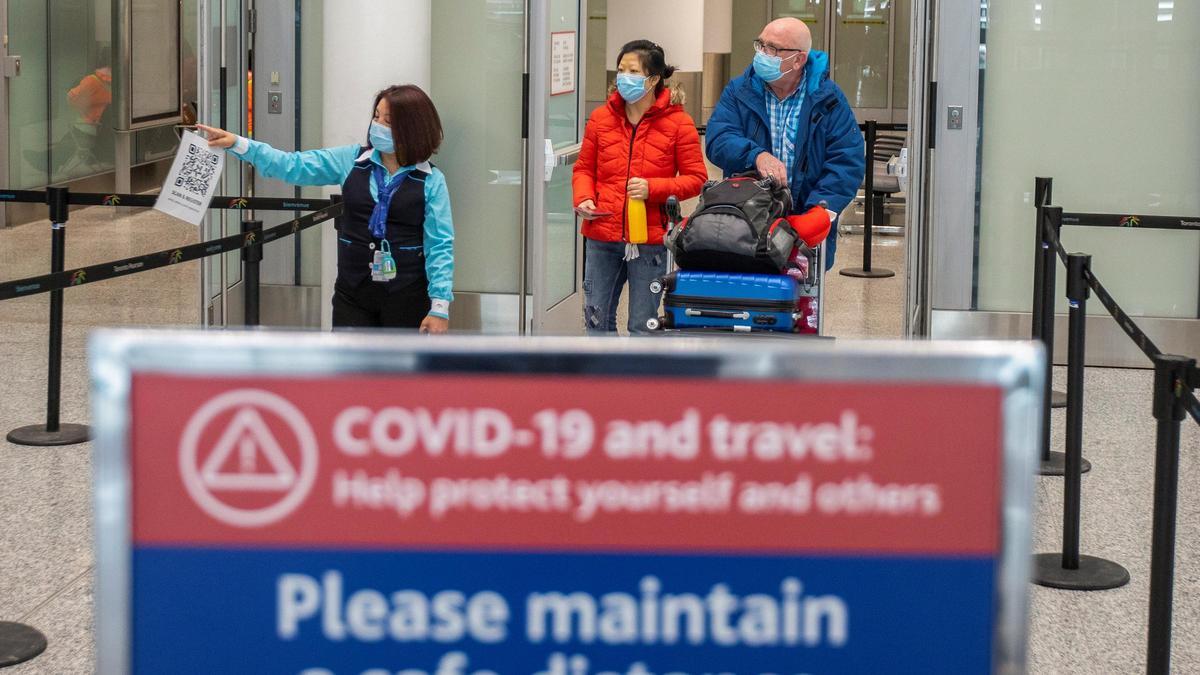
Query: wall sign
[{"x": 563, "y": 62}]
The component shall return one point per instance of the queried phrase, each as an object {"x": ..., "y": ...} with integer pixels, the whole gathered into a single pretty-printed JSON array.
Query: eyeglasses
[{"x": 771, "y": 50}]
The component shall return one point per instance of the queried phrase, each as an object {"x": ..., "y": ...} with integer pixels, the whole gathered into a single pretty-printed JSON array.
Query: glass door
[{"x": 554, "y": 253}]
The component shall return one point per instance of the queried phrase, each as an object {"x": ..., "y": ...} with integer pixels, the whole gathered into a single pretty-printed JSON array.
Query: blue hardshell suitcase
[{"x": 731, "y": 301}]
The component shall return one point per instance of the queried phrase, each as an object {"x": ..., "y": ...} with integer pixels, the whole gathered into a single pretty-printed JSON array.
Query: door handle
[
  {"x": 12, "y": 66},
  {"x": 568, "y": 155}
]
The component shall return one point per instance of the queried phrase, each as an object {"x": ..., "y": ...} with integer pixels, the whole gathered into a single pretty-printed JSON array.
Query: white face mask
[{"x": 381, "y": 138}]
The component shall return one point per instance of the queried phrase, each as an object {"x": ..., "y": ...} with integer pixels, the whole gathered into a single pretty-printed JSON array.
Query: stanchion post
[
  {"x": 867, "y": 271},
  {"x": 1170, "y": 376},
  {"x": 19, "y": 643},
  {"x": 54, "y": 432},
  {"x": 1053, "y": 462},
  {"x": 58, "y": 199},
  {"x": 1039, "y": 243},
  {"x": 1043, "y": 190},
  {"x": 869, "y": 198},
  {"x": 1070, "y": 570},
  {"x": 252, "y": 255}
]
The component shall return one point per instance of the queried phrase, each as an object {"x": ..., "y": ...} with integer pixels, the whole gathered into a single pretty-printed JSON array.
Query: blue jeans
[{"x": 604, "y": 275}]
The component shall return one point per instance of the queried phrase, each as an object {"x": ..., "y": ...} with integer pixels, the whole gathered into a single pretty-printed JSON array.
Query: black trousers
[{"x": 370, "y": 305}]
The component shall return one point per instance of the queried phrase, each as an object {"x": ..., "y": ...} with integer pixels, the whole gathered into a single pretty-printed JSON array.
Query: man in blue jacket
[{"x": 786, "y": 119}]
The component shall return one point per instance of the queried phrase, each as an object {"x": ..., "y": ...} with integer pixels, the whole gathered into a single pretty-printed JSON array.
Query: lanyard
[{"x": 386, "y": 188}]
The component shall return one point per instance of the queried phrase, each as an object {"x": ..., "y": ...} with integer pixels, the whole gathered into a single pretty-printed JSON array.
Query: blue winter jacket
[{"x": 829, "y": 146}]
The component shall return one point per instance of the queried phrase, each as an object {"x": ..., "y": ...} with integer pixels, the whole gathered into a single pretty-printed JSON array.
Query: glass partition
[
  {"x": 81, "y": 117},
  {"x": 862, "y": 51},
  {"x": 749, "y": 17},
  {"x": 60, "y": 108},
  {"x": 901, "y": 50},
  {"x": 28, "y": 113},
  {"x": 1097, "y": 100},
  {"x": 811, "y": 12},
  {"x": 479, "y": 101}
]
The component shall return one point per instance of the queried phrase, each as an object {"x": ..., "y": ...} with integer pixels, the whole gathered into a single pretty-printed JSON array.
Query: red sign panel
[{"x": 566, "y": 463}]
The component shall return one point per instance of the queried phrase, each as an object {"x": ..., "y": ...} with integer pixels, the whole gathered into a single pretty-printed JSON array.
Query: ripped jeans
[{"x": 604, "y": 276}]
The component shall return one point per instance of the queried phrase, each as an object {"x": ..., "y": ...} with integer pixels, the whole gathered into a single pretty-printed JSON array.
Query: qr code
[{"x": 197, "y": 170}]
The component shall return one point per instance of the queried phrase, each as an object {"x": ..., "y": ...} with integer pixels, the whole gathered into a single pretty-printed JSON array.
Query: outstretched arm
[{"x": 328, "y": 166}]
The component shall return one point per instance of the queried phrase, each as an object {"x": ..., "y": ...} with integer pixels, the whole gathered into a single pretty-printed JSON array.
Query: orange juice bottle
[{"x": 635, "y": 214}]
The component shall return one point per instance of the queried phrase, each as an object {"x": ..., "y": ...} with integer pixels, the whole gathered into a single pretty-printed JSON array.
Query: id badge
[{"x": 377, "y": 266}]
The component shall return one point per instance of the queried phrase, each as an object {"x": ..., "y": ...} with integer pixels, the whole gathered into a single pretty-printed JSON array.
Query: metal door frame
[
  {"x": 563, "y": 316},
  {"x": 921, "y": 101},
  {"x": 4, "y": 177}
]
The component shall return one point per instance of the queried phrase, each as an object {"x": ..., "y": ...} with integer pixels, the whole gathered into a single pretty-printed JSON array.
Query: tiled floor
[{"x": 46, "y": 557}]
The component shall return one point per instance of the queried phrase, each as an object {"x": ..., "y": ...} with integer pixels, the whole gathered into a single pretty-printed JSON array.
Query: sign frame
[{"x": 115, "y": 356}]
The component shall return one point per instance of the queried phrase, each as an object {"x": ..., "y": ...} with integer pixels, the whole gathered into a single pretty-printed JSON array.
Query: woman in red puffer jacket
[{"x": 640, "y": 145}]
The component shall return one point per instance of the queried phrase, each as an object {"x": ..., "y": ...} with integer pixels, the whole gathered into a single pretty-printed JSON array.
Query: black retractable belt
[
  {"x": 54, "y": 432},
  {"x": 172, "y": 256}
]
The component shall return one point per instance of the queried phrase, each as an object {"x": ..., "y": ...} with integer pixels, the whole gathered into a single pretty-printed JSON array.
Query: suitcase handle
[{"x": 717, "y": 314}]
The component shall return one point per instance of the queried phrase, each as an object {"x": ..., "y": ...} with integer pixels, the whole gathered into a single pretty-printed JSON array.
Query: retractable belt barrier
[
  {"x": 1175, "y": 380},
  {"x": 1133, "y": 222},
  {"x": 141, "y": 263},
  {"x": 147, "y": 201},
  {"x": 58, "y": 200}
]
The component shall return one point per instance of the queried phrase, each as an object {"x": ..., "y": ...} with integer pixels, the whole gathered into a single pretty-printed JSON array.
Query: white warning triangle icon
[{"x": 261, "y": 465}]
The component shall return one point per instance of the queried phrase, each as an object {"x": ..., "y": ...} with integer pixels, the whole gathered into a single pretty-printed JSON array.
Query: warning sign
[
  {"x": 247, "y": 458},
  {"x": 542, "y": 511}
]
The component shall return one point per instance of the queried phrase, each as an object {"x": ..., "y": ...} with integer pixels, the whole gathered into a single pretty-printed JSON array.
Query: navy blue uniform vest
[{"x": 405, "y": 229}]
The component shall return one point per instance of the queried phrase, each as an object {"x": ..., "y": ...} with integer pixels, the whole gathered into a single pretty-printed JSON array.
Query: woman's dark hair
[
  {"x": 654, "y": 61},
  {"x": 416, "y": 126}
]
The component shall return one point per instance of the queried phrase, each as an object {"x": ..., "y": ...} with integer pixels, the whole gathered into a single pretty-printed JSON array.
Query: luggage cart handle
[{"x": 717, "y": 314}]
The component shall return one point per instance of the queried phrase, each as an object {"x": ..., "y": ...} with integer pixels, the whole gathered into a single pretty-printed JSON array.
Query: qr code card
[{"x": 193, "y": 179}]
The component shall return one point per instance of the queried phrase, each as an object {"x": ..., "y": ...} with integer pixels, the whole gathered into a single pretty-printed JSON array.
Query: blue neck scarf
[{"x": 386, "y": 188}]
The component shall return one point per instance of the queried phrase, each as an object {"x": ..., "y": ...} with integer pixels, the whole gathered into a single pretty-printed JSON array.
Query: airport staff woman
[{"x": 396, "y": 205}]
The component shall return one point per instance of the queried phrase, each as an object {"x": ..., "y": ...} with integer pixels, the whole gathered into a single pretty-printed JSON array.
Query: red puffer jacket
[{"x": 664, "y": 149}]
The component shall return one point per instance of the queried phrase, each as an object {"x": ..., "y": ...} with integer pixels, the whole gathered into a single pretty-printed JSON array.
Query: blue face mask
[
  {"x": 631, "y": 87},
  {"x": 381, "y": 138},
  {"x": 769, "y": 68}
]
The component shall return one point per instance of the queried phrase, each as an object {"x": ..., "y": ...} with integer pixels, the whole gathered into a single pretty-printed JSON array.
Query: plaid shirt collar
[{"x": 783, "y": 116}]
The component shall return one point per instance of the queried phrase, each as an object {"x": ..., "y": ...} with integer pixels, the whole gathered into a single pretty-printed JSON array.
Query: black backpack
[{"x": 740, "y": 226}]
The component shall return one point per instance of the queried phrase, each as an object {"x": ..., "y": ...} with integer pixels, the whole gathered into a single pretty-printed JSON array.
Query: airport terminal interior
[{"x": 986, "y": 123}]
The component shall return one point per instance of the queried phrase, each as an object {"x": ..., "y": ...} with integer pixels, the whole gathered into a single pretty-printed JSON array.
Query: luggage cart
[{"x": 740, "y": 303}]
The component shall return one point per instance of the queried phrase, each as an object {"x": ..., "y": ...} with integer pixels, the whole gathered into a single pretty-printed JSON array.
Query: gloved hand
[{"x": 812, "y": 226}]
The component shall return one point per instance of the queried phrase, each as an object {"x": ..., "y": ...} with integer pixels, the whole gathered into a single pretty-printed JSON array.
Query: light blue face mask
[
  {"x": 381, "y": 138},
  {"x": 769, "y": 68},
  {"x": 631, "y": 87}
]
